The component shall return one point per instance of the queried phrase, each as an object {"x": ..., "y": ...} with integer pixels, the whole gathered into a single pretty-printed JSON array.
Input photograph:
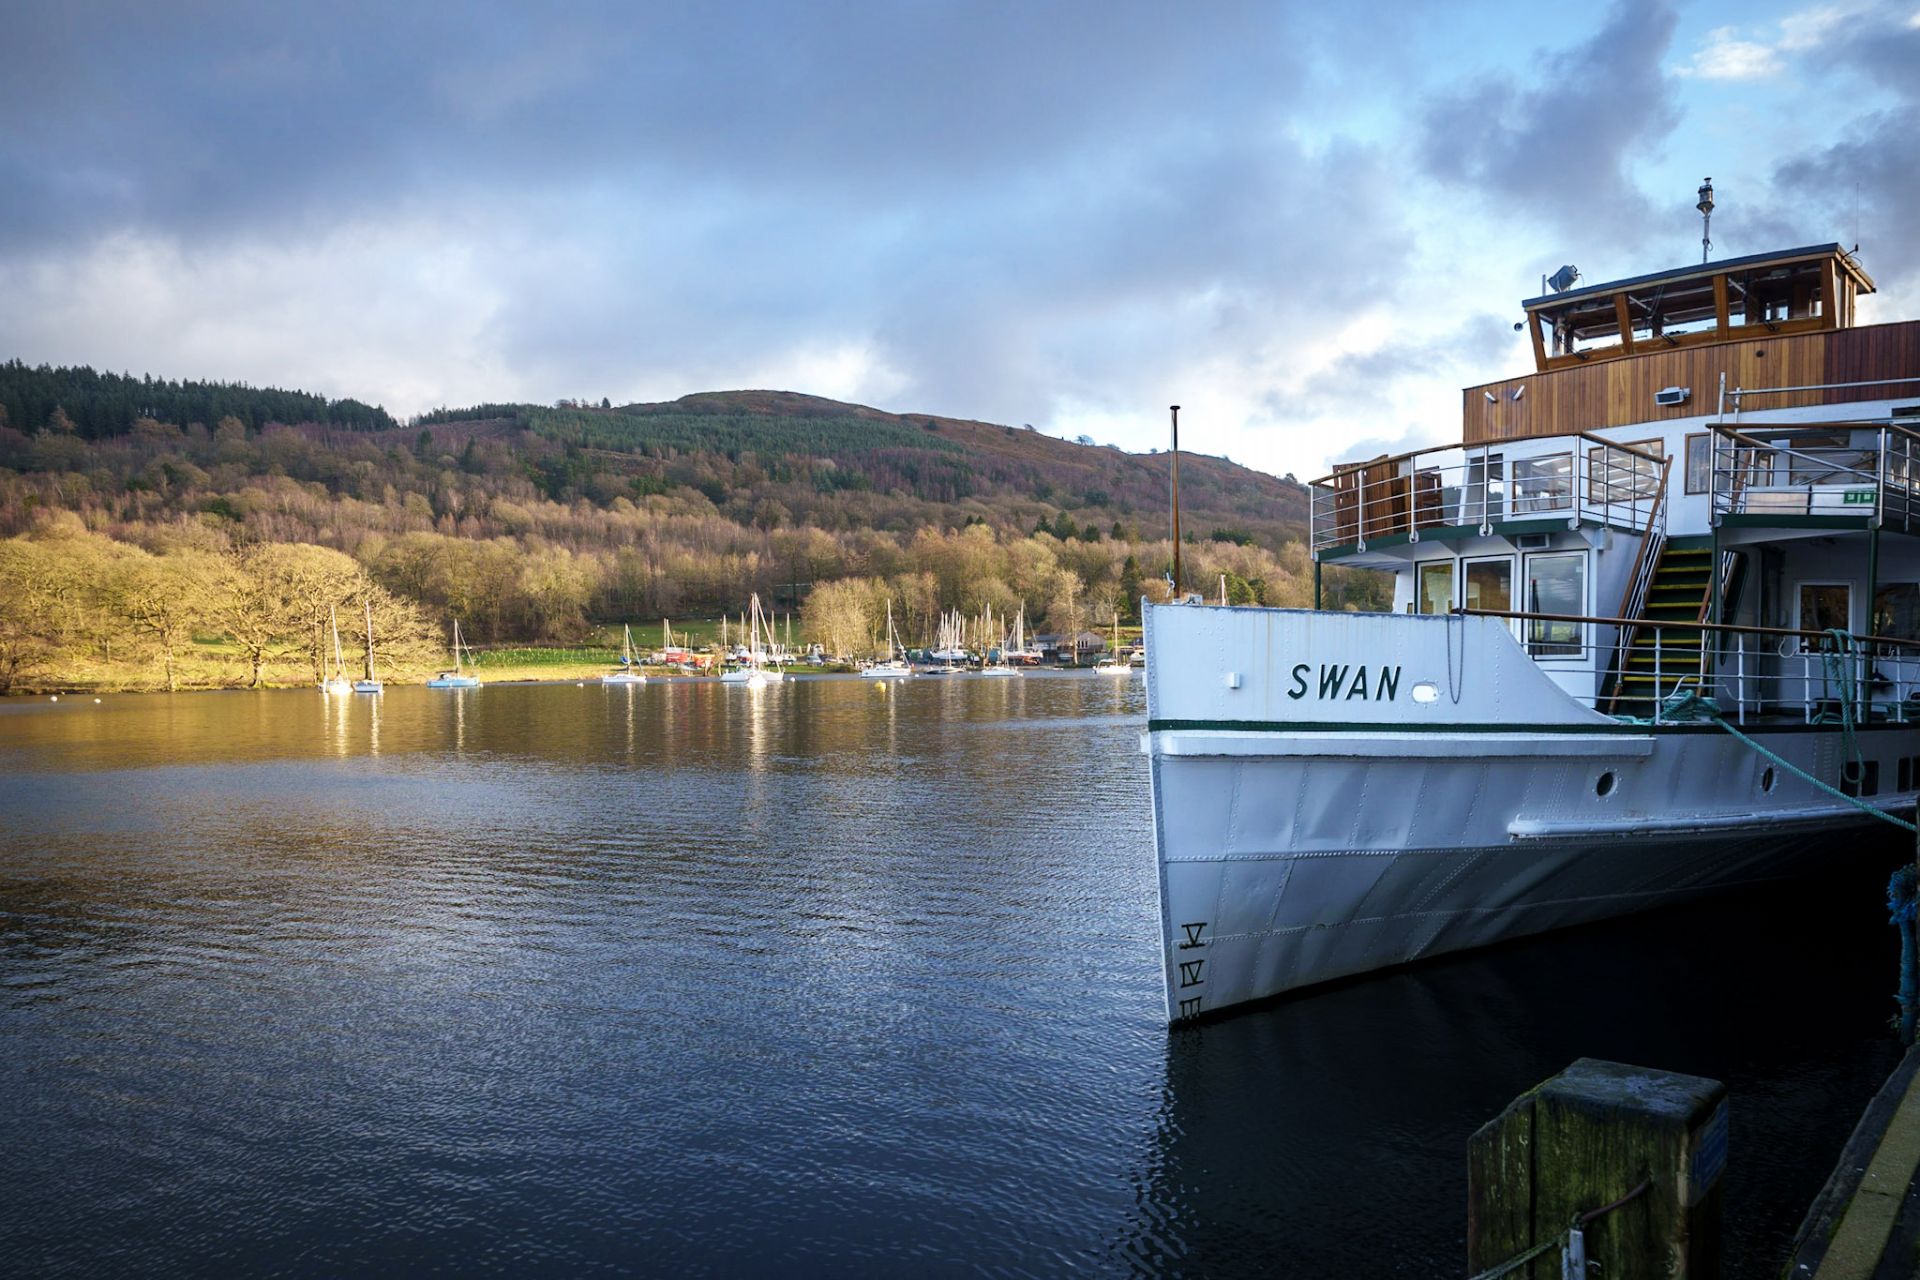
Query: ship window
[
  {"x": 1483, "y": 500},
  {"x": 1556, "y": 583},
  {"x": 1825, "y": 606},
  {"x": 1489, "y": 585},
  {"x": 1896, "y": 613},
  {"x": 1613, "y": 476},
  {"x": 1700, "y": 462},
  {"x": 1436, "y": 586},
  {"x": 1543, "y": 484}
]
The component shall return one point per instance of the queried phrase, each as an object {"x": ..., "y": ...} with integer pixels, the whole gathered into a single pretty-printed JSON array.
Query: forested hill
[
  {"x": 819, "y": 458},
  {"x": 92, "y": 405},
  {"x": 537, "y": 522}
]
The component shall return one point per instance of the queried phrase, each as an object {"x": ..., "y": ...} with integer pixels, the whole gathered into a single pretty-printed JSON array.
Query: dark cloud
[
  {"x": 1558, "y": 146},
  {"x": 1870, "y": 179},
  {"x": 199, "y": 119},
  {"x": 1361, "y": 382}
]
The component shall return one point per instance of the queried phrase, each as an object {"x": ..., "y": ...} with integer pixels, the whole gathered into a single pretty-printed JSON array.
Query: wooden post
[{"x": 1629, "y": 1157}]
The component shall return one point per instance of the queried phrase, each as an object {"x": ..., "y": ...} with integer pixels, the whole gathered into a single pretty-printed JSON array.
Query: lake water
[{"x": 819, "y": 978}]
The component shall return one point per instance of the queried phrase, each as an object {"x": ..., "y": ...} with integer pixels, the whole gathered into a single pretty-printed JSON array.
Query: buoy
[
  {"x": 880, "y": 684},
  {"x": 96, "y": 699},
  {"x": 53, "y": 697}
]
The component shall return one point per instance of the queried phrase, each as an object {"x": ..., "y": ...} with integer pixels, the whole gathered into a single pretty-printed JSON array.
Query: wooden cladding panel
[
  {"x": 1617, "y": 393},
  {"x": 1875, "y": 352}
]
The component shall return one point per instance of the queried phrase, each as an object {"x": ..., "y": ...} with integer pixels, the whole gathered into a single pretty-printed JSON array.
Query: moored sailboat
[
  {"x": 628, "y": 672},
  {"x": 370, "y": 683},
  {"x": 335, "y": 678},
  {"x": 456, "y": 678}
]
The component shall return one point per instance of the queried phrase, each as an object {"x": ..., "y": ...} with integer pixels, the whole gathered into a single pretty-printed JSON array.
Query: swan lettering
[{"x": 1340, "y": 681}]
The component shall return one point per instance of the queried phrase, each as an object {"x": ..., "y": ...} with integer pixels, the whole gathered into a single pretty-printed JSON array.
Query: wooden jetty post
[{"x": 1622, "y": 1163}]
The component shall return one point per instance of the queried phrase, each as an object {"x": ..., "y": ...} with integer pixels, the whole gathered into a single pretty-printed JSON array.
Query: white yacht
[
  {"x": 1654, "y": 631},
  {"x": 628, "y": 672},
  {"x": 895, "y": 667}
]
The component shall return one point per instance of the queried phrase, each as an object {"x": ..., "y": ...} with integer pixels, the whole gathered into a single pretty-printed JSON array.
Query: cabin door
[{"x": 1824, "y": 606}]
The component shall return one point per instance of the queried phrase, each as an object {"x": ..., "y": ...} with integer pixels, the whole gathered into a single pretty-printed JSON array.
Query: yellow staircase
[{"x": 1681, "y": 584}]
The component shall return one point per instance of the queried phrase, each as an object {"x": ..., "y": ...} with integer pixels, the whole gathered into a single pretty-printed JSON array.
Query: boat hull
[{"x": 1360, "y": 834}]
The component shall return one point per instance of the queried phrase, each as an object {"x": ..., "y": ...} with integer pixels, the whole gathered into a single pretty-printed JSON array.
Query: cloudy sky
[{"x": 1308, "y": 224}]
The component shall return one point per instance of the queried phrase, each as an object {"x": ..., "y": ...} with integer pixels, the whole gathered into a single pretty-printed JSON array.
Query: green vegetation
[{"x": 552, "y": 526}]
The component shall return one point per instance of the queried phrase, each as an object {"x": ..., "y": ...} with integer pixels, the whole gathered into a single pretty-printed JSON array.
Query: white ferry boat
[{"x": 1691, "y": 521}]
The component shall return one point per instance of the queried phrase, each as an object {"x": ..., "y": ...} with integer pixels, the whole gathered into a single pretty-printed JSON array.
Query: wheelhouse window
[
  {"x": 1436, "y": 586},
  {"x": 1613, "y": 475},
  {"x": 1543, "y": 484},
  {"x": 1556, "y": 583}
]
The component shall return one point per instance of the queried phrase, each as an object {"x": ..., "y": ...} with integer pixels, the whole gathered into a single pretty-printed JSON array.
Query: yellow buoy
[{"x": 880, "y": 684}]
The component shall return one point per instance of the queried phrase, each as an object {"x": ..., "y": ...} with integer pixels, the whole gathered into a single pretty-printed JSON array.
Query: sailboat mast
[{"x": 369, "y": 639}]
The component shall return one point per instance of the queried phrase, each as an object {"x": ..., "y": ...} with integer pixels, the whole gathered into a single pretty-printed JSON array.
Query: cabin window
[
  {"x": 1543, "y": 484},
  {"x": 1484, "y": 499},
  {"x": 1490, "y": 584},
  {"x": 1556, "y": 583},
  {"x": 1700, "y": 462},
  {"x": 1436, "y": 586},
  {"x": 1896, "y": 613},
  {"x": 1825, "y": 606},
  {"x": 1613, "y": 476}
]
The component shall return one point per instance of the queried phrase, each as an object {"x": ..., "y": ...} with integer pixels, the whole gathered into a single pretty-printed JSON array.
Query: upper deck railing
[
  {"x": 1864, "y": 469},
  {"x": 1587, "y": 480}
]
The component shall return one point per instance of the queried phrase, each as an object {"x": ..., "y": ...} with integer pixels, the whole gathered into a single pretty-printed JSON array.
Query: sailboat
[
  {"x": 335, "y": 680},
  {"x": 456, "y": 678},
  {"x": 1111, "y": 662},
  {"x": 753, "y": 674},
  {"x": 371, "y": 683},
  {"x": 1018, "y": 651},
  {"x": 628, "y": 671},
  {"x": 994, "y": 660},
  {"x": 895, "y": 665}
]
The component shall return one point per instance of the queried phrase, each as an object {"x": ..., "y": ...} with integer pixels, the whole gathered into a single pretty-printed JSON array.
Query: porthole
[
  {"x": 1766, "y": 778},
  {"x": 1604, "y": 786}
]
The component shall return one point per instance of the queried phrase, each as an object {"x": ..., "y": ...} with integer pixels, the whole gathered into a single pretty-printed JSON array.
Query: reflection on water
[{"x": 816, "y": 976}]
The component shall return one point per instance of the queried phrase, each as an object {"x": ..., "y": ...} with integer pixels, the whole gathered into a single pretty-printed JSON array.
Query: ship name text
[{"x": 1341, "y": 682}]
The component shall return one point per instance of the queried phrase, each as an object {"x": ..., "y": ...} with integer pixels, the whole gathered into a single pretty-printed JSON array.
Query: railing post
[
  {"x": 1656, "y": 673},
  {"x": 1740, "y": 666}
]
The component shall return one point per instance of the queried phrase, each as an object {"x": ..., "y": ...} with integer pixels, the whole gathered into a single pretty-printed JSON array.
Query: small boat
[
  {"x": 754, "y": 674},
  {"x": 993, "y": 659},
  {"x": 1111, "y": 663},
  {"x": 335, "y": 680},
  {"x": 628, "y": 671},
  {"x": 456, "y": 678},
  {"x": 895, "y": 666},
  {"x": 371, "y": 683}
]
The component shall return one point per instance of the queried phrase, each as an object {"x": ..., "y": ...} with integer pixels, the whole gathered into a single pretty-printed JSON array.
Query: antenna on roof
[{"x": 1706, "y": 218}]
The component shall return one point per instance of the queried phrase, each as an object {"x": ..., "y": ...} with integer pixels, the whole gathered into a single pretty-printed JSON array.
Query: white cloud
[
  {"x": 1725, "y": 56},
  {"x": 396, "y": 314}
]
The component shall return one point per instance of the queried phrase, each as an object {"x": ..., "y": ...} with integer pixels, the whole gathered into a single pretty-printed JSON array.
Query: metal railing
[
  {"x": 1640, "y": 582},
  {"x": 1747, "y": 671},
  {"x": 1867, "y": 470},
  {"x": 1586, "y": 479}
]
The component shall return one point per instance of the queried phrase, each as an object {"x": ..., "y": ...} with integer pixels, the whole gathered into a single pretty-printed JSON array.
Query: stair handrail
[{"x": 1640, "y": 581}]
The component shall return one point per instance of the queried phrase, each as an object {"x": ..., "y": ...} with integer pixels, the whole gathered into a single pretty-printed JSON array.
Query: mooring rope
[
  {"x": 1579, "y": 1223},
  {"x": 1692, "y": 706}
]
